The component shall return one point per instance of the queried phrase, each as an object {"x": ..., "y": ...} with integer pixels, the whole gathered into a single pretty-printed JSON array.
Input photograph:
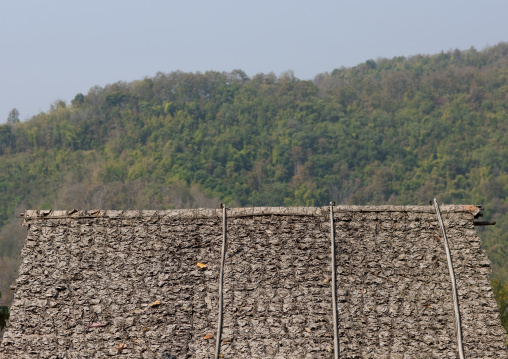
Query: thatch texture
[{"x": 101, "y": 283}]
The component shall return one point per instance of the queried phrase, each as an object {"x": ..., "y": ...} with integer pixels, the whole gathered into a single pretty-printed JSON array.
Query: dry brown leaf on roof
[
  {"x": 201, "y": 265},
  {"x": 154, "y": 304},
  {"x": 121, "y": 347},
  {"x": 95, "y": 325},
  {"x": 471, "y": 208},
  {"x": 208, "y": 336}
]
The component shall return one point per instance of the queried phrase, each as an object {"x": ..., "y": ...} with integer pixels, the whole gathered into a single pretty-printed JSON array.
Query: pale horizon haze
[{"x": 52, "y": 50}]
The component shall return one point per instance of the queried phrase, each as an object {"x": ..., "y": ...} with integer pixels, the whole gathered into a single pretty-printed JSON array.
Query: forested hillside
[{"x": 390, "y": 131}]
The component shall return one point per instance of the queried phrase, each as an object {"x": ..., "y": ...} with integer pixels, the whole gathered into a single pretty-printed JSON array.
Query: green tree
[
  {"x": 500, "y": 290},
  {"x": 4, "y": 315},
  {"x": 13, "y": 117},
  {"x": 78, "y": 100}
]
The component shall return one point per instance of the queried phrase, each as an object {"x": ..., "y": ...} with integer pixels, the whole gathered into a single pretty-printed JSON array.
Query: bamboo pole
[
  {"x": 454, "y": 287},
  {"x": 221, "y": 281},
  {"x": 334, "y": 287}
]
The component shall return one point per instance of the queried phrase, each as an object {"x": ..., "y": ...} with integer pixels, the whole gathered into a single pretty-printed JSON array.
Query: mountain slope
[{"x": 391, "y": 131}]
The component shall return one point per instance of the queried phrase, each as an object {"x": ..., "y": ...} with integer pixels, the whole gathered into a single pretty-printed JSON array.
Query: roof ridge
[{"x": 237, "y": 212}]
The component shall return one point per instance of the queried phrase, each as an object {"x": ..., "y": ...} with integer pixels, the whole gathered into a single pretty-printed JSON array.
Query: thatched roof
[{"x": 99, "y": 283}]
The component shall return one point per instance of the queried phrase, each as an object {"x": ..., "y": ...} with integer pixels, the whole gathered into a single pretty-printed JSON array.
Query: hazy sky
[{"x": 55, "y": 49}]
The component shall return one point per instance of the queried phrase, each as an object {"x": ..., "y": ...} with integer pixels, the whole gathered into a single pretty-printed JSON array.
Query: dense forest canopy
[{"x": 388, "y": 131}]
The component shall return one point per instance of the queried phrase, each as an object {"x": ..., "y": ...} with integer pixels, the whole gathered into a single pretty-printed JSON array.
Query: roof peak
[{"x": 239, "y": 212}]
